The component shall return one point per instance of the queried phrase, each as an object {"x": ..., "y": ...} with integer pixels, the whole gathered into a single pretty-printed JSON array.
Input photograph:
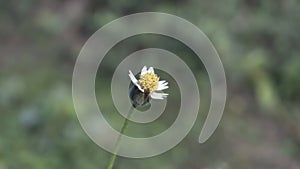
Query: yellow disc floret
[{"x": 149, "y": 82}]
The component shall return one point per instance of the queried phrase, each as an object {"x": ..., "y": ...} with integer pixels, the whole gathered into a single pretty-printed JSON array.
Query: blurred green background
[{"x": 258, "y": 42}]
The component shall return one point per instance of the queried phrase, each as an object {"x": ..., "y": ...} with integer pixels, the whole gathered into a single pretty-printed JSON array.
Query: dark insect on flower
[{"x": 137, "y": 97}]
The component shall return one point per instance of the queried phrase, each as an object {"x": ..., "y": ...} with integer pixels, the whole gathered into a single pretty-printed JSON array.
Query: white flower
[{"x": 149, "y": 83}]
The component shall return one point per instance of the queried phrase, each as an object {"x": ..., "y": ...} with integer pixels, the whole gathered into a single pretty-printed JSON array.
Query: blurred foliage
[{"x": 258, "y": 42}]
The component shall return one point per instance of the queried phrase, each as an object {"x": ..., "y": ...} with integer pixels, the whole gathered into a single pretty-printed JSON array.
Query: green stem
[{"x": 125, "y": 124}]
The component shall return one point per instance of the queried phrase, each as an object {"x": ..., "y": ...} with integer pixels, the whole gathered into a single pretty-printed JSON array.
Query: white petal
[
  {"x": 140, "y": 88},
  {"x": 163, "y": 82},
  {"x": 135, "y": 81},
  {"x": 160, "y": 96},
  {"x": 154, "y": 96},
  {"x": 162, "y": 87},
  {"x": 151, "y": 70},
  {"x": 144, "y": 70},
  {"x": 132, "y": 77}
]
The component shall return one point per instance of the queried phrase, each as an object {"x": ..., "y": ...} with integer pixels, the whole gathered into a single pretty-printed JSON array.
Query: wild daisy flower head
[{"x": 148, "y": 84}]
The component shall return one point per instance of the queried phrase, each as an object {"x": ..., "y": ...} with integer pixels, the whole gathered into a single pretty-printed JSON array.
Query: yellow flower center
[{"x": 149, "y": 82}]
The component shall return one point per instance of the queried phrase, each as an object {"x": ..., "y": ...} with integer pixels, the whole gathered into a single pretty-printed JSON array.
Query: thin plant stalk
[{"x": 117, "y": 146}]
